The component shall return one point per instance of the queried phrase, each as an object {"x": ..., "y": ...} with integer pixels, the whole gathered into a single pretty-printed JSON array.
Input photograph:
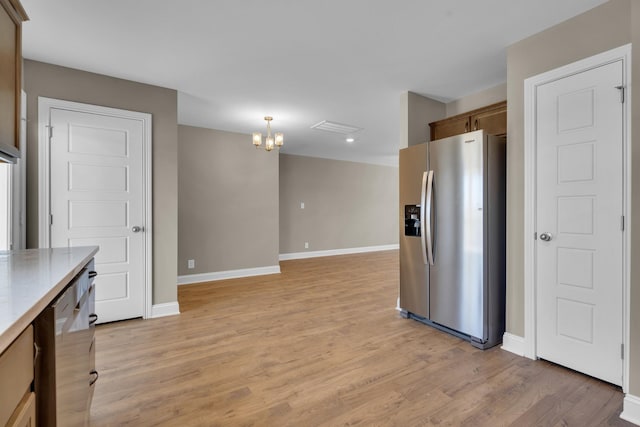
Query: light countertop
[{"x": 30, "y": 280}]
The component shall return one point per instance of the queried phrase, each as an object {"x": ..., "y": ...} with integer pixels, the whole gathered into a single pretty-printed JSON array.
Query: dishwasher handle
[
  {"x": 93, "y": 318},
  {"x": 95, "y": 376}
]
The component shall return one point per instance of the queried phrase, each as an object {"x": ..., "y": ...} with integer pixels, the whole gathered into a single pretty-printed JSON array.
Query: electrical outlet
[
  {"x": 301, "y": 205},
  {"x": 306, "y": 245},
  {"x": 191, "y": 263}
]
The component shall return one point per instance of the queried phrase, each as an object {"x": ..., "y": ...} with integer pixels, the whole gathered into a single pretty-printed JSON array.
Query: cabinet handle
[
  {"x": 92, "y": 274},
  {"x": 475, "y": 127},
  {"x": 36, "y": 353},
  {"x": 93, "y": 318},
  {"x": 93, "y": 373}
]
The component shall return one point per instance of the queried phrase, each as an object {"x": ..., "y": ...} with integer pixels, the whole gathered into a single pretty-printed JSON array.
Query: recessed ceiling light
[{"x": 350, "y": 139}]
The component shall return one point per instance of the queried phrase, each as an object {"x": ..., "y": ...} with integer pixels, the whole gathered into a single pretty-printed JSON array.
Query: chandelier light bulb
[
  {"x": 257, "y": 139},
  {"x": 269, "y": 143}
]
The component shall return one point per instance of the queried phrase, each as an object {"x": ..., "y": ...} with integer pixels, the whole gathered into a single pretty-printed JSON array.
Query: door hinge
[
  {"x": 622, "y": 223},
  {"x": 535, "y": 236},
  {"x": 621, "y": 88},
  {"x": 622, "y": 351},
  {"x": 50, "y": 131},
  {"x": 51, "y": 219}
]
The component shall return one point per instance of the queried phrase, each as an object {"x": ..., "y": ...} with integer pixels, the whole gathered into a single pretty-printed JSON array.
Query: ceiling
[{"x": 347, "y": 61}]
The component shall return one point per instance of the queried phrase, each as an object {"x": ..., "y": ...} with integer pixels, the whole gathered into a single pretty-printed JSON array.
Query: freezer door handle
[
  {"x": 427, "y": 232},
  {"x": 429, "y": 217},
  {"x": 423, "y": 197}
]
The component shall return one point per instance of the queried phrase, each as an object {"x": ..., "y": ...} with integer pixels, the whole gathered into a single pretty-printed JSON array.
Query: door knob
[
  {"x": 137, "y": 229},
  {"x": 546, "y": 237}
]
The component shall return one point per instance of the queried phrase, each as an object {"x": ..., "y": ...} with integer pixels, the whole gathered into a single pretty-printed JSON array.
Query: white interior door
[
  {"x": 579, "y": 195},
  {"x": 97, "y": 198}
]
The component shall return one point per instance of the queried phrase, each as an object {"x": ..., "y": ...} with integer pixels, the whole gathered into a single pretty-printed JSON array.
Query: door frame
[
  {"x": 44, "y": 178},
  {"x": 530, "y": 86}
]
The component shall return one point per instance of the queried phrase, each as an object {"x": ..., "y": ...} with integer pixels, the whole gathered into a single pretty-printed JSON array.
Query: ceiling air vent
[{"x": 328, "y": 126}]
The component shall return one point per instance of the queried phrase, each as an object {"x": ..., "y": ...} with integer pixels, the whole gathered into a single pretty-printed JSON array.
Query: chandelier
[{"x": 277, "y": 140}]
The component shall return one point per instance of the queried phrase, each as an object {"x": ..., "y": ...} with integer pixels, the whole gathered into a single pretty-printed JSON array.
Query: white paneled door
[
  {"x": 579, "y": 222},
  {"x": 97, "y": 198}
]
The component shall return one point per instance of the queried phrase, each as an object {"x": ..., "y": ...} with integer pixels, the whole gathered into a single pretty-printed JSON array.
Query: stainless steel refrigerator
[{"x": 452, "y": 235}]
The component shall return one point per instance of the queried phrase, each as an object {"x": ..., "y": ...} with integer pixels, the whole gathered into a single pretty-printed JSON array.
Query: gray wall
[
  {"x": 52, "y": 81},
  {"x": 228, "y": 202},
  {"x": 347, "y": 204},
  {"x": 416, "y": 112},
  {"x": 476, "y": 100},
  {"x": 610, "y": 25}
]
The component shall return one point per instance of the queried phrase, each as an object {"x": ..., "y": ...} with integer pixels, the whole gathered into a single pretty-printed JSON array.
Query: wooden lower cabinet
[
  {"x": 492, "y": 119},
  {"x": 17, "y": 401}
]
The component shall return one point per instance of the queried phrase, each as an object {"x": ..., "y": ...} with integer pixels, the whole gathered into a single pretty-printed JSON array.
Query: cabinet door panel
[
  {"x": 8, "y": 86},
  {"x": 493, "y": 122},
  {"x": 449, "y": 127},
  {"x": 16, "y": 371},
  {"x": 11, "y": 16},
  {"x": 25, "y": 415}
]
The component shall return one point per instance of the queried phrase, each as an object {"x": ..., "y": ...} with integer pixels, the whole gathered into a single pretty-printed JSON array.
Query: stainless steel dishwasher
[{"x": 65, "y": 367}]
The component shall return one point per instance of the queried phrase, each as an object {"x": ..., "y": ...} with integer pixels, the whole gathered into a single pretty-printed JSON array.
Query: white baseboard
[
  {"x": 513, "y": 344},
  {"x": 166, "y": 309},
  {"x": 332, "y": 252},
  {"x": 229, "y": 274},
  {"x": 631, "y": 409}
]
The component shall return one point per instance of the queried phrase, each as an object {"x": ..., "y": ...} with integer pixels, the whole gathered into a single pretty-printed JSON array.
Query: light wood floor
[{"x": 321, "y": 344}]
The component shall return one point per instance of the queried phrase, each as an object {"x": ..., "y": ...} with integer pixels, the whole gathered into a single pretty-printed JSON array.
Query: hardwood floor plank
[{"x": 321, "y": 344}]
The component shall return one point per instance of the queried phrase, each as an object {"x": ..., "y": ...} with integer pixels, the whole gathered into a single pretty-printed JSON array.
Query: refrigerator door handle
[
  {"x": 423, "y": 197},
  {"x": 429, "y": 215}
]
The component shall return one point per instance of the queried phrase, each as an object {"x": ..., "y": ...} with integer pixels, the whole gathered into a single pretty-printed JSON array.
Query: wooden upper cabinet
[
  {"x": 449, "y": 127},
  {"x": 492, "y": 119},
  {"x": 11, "y": 17}
]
